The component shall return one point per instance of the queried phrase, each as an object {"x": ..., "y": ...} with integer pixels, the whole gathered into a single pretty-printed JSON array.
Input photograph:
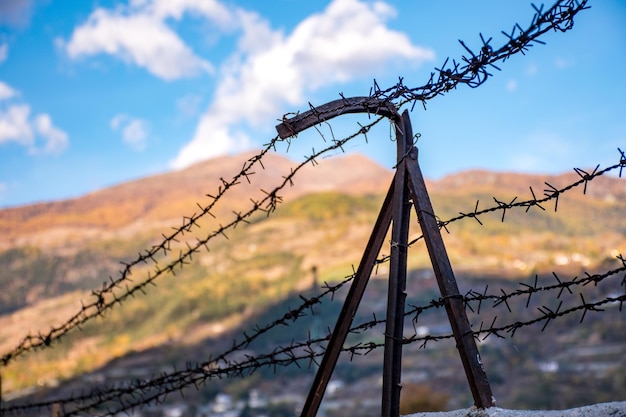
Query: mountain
[
  {"x": 53, "y": 254},
  {"x": 167, "y": 197}
]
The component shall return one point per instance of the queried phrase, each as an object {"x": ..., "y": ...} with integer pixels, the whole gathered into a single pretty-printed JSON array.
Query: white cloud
[
  {"x": 189, "y": 105},
  {"x": 6, "y": 92},
  {"x": 163, "y": 9},
  {"x": 16, "y": 126},
  {"x": 134, "y": 131},
  {"x": 346, "y": 41},
  {"x": 56, "y": 139},
  {"x": 15, "y": 123},
  {"x": 269, "y": 70},
  {"x": 139, "y": 34},
  {"x": 257, "y": 33}
]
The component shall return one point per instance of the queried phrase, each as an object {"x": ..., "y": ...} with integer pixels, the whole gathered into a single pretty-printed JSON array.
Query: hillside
[
  {"x": 52, "y": 254},
  {"x": 49, "y": 249}
]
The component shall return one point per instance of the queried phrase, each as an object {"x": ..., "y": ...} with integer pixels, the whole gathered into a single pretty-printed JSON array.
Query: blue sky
[{"x": 93, "y": 93}]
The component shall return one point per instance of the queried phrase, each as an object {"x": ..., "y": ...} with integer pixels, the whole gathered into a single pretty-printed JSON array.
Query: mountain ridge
[{"x": 167, "y": 197}]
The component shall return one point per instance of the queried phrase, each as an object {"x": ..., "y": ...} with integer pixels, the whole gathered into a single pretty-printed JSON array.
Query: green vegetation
[
  {"x": 329, "y": 206},
  {"x": 30, "y": 274}
]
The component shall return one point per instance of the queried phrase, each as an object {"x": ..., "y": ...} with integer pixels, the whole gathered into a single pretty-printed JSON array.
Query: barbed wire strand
[
  {"x": 106, "y": 298},
  {"x": 468, "y": 299}
]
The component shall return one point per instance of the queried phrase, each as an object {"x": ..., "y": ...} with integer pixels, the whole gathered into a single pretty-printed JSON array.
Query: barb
[
  {"x": 470, "y": 70},
  {"x": 473, "y": 300},
  {"x": 550, "y": 194}
]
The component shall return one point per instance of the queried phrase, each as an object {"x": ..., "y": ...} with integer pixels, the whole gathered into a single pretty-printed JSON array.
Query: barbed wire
[
  {"x": 102, "y": 304},
  {"x": 99, "y": 305},
  {"x": 181, "y": 380},
  {"x": 472, "y": 69},
  {"x": 550, "y": 194},
  {"x": 291, "y": 315}
]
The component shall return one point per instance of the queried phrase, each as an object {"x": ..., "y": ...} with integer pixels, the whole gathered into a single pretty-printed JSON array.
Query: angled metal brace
[{"x": 474, "y": 370}]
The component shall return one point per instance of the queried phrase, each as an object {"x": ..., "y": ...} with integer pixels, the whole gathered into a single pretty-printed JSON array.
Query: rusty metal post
[
  {"x": 396, "y": 295},
  {"x": 350, "y": 306},
  {"x": 474, "y": 370}
]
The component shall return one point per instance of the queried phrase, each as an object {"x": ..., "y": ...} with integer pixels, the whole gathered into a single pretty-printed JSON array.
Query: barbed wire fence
[{"x": 470, "y": 70}]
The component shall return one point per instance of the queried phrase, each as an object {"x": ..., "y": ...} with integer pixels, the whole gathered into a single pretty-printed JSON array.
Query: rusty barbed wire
[
  {"x": 472, "y": 69},
  {"x": 550, "y": 194},
  {"x": 99, "y": 305},
  {"x": 473, "y": 300},
  {"x": 180, "y": 380},
  {"x": 291, "y": 315}
]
